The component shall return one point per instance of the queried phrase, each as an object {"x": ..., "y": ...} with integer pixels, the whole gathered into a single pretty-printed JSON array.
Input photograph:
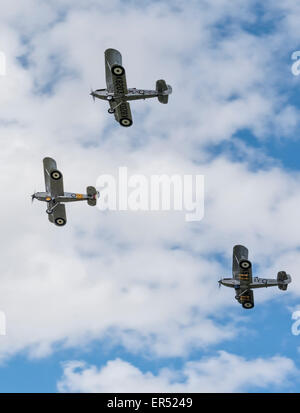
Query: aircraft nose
[{"x": 93, "y": 95}]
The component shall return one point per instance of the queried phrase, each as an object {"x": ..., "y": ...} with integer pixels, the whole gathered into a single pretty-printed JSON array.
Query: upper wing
[
  {"x": 112, "y": 57},
  {"x": 58, "y": 217},
  {"x": 119, "y": 83},
  {"x": 123, "y": 114},
  {"x": 239, "y": 253},
  {"x": 53, "y": 186},
  {"x": 245, "y": 276}
]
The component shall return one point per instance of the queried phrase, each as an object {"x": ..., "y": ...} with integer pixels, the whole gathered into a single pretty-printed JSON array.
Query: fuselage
[
  {"x": 133, "y": 94},
  {"x": 67, "y": 197},
  {"x": 243, "y": 284}
]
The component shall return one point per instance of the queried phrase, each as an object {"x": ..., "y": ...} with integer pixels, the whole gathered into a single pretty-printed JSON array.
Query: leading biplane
[{"x": 118, "y": 95}]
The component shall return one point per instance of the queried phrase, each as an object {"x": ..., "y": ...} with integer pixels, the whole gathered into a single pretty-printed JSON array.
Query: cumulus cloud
[
  {"x": 222, "y": 373},
  {"x": 147, "y": 281}
]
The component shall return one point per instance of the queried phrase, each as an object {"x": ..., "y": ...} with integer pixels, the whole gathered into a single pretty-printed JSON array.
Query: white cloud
[
  {"x": 220, "y": 374},
  {"x": 115, "y": 274}
]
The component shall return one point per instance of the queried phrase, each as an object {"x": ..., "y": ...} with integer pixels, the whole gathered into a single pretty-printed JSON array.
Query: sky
[{"x": 129, "y": 301}]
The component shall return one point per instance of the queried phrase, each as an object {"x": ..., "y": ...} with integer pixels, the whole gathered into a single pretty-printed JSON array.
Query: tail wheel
[
  {"x": 56, "y": 175},
  {"x": 126, "y": 122},
  {"x": 245, "y": 264},
  {"x": 118, "y": 70},
  {"x": 247, "y": 305},
  {"x": 60, "y": 222}
]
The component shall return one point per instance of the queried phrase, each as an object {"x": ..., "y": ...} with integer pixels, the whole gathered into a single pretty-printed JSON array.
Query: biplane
[
  {"x": 243, "y": 282},
  {"x": 118, "y": 95},
  {"x": 55, "y": 195}
]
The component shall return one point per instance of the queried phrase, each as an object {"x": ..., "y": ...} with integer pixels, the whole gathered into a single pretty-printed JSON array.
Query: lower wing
[
  {"x": 123, "y": 114},
  {"x": 58, "y": 216},
  {"x": 247, "y": 299}
]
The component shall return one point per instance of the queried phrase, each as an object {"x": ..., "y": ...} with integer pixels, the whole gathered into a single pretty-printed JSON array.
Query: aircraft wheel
[
  {"x": 60, "y": 222},
  {"x": 118, "y": 70},
  {"x": 247, "y": 305},
  {"x": 109, "y": 97},
  {"x": 245, "y": 264},
  {"x": 56, "y": 175},
  {"x": 111, "y": 111},
  {"x": 49, "y": 212},
  {"x": 126, "y": 122}
]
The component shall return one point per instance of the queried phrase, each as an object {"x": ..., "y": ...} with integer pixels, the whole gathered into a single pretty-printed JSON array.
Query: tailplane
[
  {"x": 283, "y": 280},
  {"x": 163, "y": 91},
  {"x": 93, "y": 195}
]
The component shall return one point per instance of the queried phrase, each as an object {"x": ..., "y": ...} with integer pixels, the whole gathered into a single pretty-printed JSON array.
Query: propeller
[
  {"x": 92, "y": 94},
  {"x": 32, "y": 197},
  {"x": 220, "y": 283}
]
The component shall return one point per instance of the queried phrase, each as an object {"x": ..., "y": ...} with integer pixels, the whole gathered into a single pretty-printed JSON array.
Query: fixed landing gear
[{"x": 51, "y": 206}]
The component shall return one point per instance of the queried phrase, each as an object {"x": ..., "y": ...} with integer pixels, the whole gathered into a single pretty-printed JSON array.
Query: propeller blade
[
  {"x": 33, "y": 196},
  {"x": 92, "y": 94}
]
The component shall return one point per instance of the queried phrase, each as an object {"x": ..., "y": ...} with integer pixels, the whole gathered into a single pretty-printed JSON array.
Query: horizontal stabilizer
[
  {"x": 92, "y": 194},
  {"x": 283, "y": 280},
  {"x": 163, "y": 91},
  {"x": 163, "y": 99}
]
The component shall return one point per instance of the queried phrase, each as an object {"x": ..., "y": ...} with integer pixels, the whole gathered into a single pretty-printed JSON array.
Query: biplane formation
[{"x": 118, "y": 95}]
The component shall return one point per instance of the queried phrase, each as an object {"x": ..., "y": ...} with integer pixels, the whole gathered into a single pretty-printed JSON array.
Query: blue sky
[{"x": 107, "y": 303}]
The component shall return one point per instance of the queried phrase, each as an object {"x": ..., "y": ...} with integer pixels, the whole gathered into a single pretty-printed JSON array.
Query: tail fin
[
  {"x": 93, "y": 195},
  {"x": 163, "y": 91}
]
